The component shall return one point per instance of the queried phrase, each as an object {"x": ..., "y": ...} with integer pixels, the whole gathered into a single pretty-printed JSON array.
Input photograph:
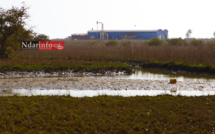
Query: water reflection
[
  {"x": 150, "y": 74},
  {"x": 93, "y": 93}
]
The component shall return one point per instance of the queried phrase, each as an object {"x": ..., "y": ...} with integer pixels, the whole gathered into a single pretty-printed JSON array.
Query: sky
[{"x": 61, "y": 18}]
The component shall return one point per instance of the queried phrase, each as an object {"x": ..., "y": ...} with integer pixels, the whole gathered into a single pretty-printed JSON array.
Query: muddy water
[
  {"x": 142, "y": 82},
  {"x": 143, "y": 74}
]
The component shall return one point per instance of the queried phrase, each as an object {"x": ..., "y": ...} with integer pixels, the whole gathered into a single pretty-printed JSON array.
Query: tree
[
  {"x": 155, "y": 42},
  {"x": 214, "y": 34},
  {"x": 196, "y": 42},
  {"x": 41, "y": 37},
  {"x": 12, "y": 30},
  {"x": 189, "y": 32}
]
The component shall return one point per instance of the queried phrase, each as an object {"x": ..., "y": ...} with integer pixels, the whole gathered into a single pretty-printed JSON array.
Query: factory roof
[
  {"x": 124, "y": 30},
  {"x": 79, "y": 34}
]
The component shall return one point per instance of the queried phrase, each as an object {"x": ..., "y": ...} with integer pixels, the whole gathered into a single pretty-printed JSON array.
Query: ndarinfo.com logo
[{"x": 43, "y": 45}]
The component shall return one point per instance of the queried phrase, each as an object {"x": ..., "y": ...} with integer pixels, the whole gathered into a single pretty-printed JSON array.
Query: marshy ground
[{"x": 106, "y": 114}]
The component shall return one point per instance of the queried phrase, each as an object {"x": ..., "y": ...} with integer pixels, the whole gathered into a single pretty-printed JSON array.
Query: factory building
[{"x": 127, "y": 34}]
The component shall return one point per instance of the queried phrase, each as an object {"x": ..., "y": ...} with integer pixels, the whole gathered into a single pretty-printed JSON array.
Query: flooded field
[{"x": 142, "y": 82}]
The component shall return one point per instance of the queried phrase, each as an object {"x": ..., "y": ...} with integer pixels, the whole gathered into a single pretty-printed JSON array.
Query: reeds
[{"x": 135, "y": 51}]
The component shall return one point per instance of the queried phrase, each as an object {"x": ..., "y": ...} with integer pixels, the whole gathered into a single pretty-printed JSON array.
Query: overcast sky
[{"x": 61, "y": 18}]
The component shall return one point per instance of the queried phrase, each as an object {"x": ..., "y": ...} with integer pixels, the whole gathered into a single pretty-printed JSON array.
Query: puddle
[
  {"x": 93, "y": 93},
  {"x": 151, "y": 74}
]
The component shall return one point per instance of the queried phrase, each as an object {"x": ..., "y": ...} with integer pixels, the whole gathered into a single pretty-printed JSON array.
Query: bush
[
  {"x": 155, "y": 42},
  {"x": 126, "y": 43},
  {"x": 111, "y": 43},
  {"x": 196, "y": 42},
  {"x": 144, "y": 43},
  {"x": 176, "y": 41}
]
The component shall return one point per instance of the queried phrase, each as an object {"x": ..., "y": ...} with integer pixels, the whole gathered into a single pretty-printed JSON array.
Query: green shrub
[
  {"x": 176, "y": 41},
  {"x": 144, "y": 43},
  {"x": 196, "y": 42},
  {"x": 111, "y": 43},
  {"x": 155, "y": 42},
  {"x": 126, "y": 43}
]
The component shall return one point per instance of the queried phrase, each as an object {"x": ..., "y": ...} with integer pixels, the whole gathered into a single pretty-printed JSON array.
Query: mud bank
[
  {"x": 19, "y": 74},
  {"x": 93, "y": 83}
]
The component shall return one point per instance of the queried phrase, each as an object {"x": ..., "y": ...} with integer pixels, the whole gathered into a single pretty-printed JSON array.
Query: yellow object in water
[
  {"x": 173, "y": 81},
  {"x": 173, "y": 90}
]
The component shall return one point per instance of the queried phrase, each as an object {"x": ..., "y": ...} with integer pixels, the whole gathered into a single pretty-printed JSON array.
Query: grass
[
  {"x": 106, "y": 114},
  {"x": 135, "y": 51},
  {"x": 58, "y": 65}
]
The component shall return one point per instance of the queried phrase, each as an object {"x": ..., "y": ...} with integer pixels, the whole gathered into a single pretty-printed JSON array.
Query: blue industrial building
[{"x": 127, "y": 34}]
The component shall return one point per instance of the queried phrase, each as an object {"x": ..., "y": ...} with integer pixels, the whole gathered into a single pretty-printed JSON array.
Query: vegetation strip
[
  {"x": 196, "y": 69},
  {"x": 106, "y": 114},
  {"x": 95, "y": 67},
  {"x": 102, "y": 67}
]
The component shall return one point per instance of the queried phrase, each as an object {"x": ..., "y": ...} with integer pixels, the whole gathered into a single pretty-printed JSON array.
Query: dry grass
[{"x": 136, "y": 51}]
